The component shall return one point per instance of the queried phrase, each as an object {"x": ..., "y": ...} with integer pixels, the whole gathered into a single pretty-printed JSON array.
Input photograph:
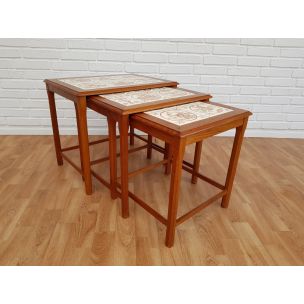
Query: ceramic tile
[
  {"x": 146, "y": 96},
  {"x": 109, "y": 81},
  {"x": 188, "y": 113}
]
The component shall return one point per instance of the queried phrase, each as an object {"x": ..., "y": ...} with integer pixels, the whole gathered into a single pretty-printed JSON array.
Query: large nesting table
[{"x": 77, "y": 90}]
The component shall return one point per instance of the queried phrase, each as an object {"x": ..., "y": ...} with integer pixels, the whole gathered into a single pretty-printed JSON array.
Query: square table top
[
  {"x": 104, "y": 84},
  {"x": 148, "y": 99},
  {"x": 191, "y": 116}
]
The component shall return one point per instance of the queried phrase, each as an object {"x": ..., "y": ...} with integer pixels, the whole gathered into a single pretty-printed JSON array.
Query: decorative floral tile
[
  {"x": 145, "y": 96},
  {"x": 187, "y": 113},
  {"x": 109, "y": 81}
]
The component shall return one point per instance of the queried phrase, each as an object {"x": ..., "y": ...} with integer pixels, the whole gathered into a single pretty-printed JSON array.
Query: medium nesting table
[
  {"x": 78, "y": 89},
  {"x": 118, "y": 107}
]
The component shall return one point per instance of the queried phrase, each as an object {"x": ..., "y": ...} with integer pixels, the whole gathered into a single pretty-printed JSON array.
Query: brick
[
  {"x": 223, "y": 40},
  {"x": 271, "y": 116},
  {"x": 88, "y": 44},
  {"x": 3, "y": 121},
  {"x": 70, "y": 65},
  {"x": 275, "y": 125},
  {"x": 243, "y": 71},
  {"x": 286, "y": 91},
  {"x": 11, "y": 74},
  {"x": 216, "y": 80},
  {"x": 115, "y": 56},
  {"x": 41, "y": 54},
  {"x": 252, "y": 90},
  {"x": 106, "y": 66},
  {"x": 41, "y": 74},
  {"x": 276, "y": 72},
  {"x": 79, "y": 55},
  {"x": 14, "y": 93},
  {"x": 258, "y": 41},
  {"x": 296, "y": 109},
  {"x": 229, "y": 90},
  {"x": 159, "y": 47},
  {"x": 9, "y": 103},
  {"x": 186, "y": 79},
  {"x": 220, "y": 60},
  {"x": 44, "y": 113},
  {"x": 286, "y": 63},
  {"x": 196, "y": 48},
  {"x": 280, "y": 82},
  {"x": 32, "y": 64},
  {"x": 239, "y": 99},
  {"x": 300, "y": 83},
  {"x": 256, "y": 81},
  {"x": 297, "y": 100},
  {"x": 188, "y": 59},
  {"x": 21, "y": 84},
  {"x": 263, "y": 51},
  {"x": 122, "y": 45},
  {"x": 10, "y": 53},
  {"x": 229, "y": 50},
  {"x": 267, "y": 108},
  {"x": 297, "y": 126},
  {"x": 275, "y": 100},
  {"x": 253, "y": 61},
  {"x": 13, "y": 113},
  {"x": 47, "y": 43},
  {"x": 151, "y": 58},
  {"x": 176, "y": 69},
  {"x": 289, "y": 42},
  {"x": 295, "y": 117},
  {"x": 141, "y": 68},
  {"x": 209, "y": 70},
  {"x": 294, "y": 52},
  {"x": 14, "y": 42},
  {"x": 299, "y": 73}
]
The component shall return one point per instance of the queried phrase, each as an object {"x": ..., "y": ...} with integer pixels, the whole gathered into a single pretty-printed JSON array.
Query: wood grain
[{"x": 46, "y": 218}]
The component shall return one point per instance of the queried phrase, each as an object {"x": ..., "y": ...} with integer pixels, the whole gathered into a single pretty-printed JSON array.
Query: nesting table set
[{"x": 160, "y": 109}]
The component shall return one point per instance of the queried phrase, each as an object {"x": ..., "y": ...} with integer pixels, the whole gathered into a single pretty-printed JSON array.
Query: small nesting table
[
  {"x": 180, "y": 126},
  {"x": 78, "y": 89}
]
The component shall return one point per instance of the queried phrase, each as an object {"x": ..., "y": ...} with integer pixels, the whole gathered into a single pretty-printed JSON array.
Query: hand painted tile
[
  {"x": 146, "y": 96},
  {"x": 188, "y": 113},
  {"x": 109, "y": 81}
]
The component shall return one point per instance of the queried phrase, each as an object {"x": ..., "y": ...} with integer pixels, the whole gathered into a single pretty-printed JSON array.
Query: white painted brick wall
[{"x": 265, "y": 76}]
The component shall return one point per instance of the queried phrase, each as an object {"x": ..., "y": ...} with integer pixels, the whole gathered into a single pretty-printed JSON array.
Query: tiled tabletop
[
  {"x": 109, "y": 81},
  {"x": 188, "y": 113},
  {"x": 145, "y": 96}
]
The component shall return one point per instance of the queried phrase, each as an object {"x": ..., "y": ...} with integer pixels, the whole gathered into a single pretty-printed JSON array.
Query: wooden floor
[{"x": 46, "y": 219}]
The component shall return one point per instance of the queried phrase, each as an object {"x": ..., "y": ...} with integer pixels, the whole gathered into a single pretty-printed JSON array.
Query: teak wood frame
[
  {"x": 178, "y": 138},
  {"x": 79, "y": 97}
]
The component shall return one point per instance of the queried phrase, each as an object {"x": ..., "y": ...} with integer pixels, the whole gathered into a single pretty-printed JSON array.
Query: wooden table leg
[
  {"x": 84, "y": 143},
  {"x": 112, "y": 154},
  {"x": 56, "y": 135},
  {"x": 79, "y": 139},
  {"x": 131, "y": 136},
  {"x": 123, "y": 130},
  {"x": 196, "y": 162},
  {"x": 168, "y": 155},
  {"x": 236, "y": 149},
  {"x": 149, "y": 149},
  {"x": 178, "y": 155}
]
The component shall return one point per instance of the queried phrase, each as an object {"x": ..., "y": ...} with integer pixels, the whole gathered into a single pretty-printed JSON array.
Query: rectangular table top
[
  {"x": 104, "y": 84},
  {"x": 148, "y": 99},
  {"x": 192, "y": 116}
]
